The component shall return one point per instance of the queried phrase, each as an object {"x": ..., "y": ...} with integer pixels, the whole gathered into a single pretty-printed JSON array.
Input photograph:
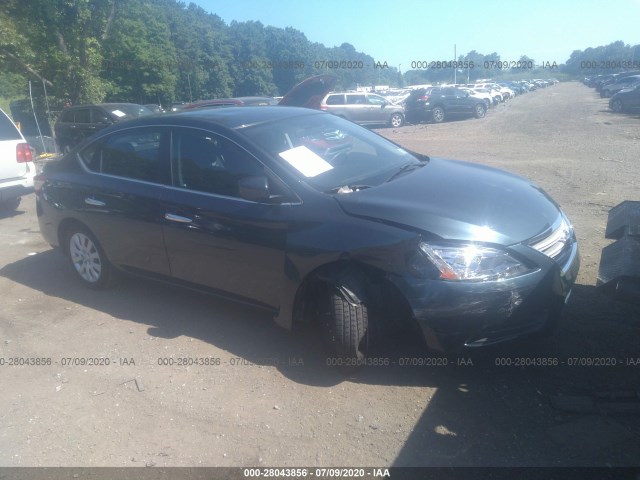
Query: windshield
[{"x": 329, "y": 152}]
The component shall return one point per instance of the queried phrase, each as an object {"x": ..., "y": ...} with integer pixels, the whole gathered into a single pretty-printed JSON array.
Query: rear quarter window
[
  {"x": 335, "y": 100},
  {"x": 8, "y": 131},
  {"x": 67, "y": 116}
]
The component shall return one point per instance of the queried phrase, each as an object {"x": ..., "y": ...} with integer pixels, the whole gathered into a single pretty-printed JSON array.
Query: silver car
[{"x": 364, "y": 108}]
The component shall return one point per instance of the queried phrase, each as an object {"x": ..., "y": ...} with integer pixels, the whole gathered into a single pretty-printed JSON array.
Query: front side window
[
  {"x": 376, "y": 100},
  {"x": 205, "y": 162},
  {"x": 98, "y": 116},
  {"x": 131, "y": 154}
]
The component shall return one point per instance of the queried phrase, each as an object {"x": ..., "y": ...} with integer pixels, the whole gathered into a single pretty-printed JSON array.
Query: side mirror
[{"x": 254, "y": 188}]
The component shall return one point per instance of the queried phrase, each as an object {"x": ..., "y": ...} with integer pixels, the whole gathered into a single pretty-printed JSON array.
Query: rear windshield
[{"x": 7, "y": 130}]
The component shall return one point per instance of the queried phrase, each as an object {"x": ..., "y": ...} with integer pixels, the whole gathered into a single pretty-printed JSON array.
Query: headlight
[{"x": 473, "y": 262}]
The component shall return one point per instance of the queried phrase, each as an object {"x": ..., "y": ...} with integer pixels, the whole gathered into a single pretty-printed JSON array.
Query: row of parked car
[
  {"x": 420, "y": 103},
  {"x": 622, "y": 89}
]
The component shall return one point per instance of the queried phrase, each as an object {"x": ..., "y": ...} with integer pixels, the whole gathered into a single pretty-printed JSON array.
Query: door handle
[
  {"x": 177, "y": 218},
  {"x": 94, "y": 202}
]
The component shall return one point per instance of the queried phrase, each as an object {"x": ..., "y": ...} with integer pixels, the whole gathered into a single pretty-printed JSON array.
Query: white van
[{"x": 16, "y": 164}]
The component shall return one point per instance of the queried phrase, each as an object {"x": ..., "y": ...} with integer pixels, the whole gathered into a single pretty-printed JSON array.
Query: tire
[
  {"x": 10, "y": 205},
  {"x": 437, "y": 114},
  {"x": 87, "y": 258},
  {"x": 345, "y": 327},
  {"x": 479, "y": 111},
  {"x": 396, "y": 120},
  {"x": 617, "y": 106}
]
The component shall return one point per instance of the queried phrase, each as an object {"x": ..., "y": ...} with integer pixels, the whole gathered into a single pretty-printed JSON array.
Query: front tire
[
  {"x": 396, "y": 120},
  {"x": 437, "y": 114},
  {"x": 87, "y": 258},
  {"x": 345, "y": 327}
]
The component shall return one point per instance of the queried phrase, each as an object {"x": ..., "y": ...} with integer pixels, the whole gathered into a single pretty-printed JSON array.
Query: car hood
[
  {"x": 458, "y": 201},
  {"x": 310, "y": 92}
]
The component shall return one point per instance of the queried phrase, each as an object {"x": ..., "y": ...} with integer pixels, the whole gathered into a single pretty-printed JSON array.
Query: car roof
[
  {"x": 104, "y": 105},
  {"x": 230, "y": 117}
]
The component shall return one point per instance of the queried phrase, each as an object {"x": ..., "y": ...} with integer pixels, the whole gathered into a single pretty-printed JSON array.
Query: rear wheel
[
  {"x": 437, "y": 114},
  {"x": 396, "y": 120},
  {"x": 88, "y": 258},
  {"x": 10, "y": 205},
  {"x": 480, "y": 111},
  {"x": 616, "y": 106}
]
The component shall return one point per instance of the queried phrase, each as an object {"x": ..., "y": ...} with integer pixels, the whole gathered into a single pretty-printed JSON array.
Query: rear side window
[
  {"x": 83, "y": 116},
  {"x": 357, "y": 99},
  {"x": 131, "y": 154},
  {"x": 7, "y": 130}
]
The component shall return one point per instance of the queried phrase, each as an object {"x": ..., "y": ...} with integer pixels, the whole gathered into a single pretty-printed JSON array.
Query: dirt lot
[{"x": 260, "y": 406}]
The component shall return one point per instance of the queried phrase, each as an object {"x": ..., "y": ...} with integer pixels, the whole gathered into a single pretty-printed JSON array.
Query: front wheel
[
  {"x": 345, "y": 327},
  {"x": 480, "y": 111},
  {"x": 87, "y": 258},
  {"x": 616, "y": 106},
  {"x": 396, "y": 120},
  {"x": 437, "y": 114}
]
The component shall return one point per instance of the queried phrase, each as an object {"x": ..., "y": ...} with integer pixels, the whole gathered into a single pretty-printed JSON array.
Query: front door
[{"x": 213, "y": 236}]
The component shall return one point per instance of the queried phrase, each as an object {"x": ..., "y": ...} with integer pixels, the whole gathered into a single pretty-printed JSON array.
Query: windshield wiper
[
  {"x": 348, "y": 189},
  {"x": 407, "y": 167}
]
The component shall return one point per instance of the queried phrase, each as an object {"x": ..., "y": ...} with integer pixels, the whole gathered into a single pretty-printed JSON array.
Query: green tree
[
  {"x": 139, "y": 58},
  {"x": 251, "y": 67}
]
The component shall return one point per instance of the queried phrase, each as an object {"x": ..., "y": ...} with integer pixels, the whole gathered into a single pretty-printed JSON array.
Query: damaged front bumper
[{"x": 453, "y": 315}]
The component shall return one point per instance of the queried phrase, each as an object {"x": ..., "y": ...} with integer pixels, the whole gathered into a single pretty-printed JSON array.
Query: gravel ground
[{"x": 269, "y": 399}]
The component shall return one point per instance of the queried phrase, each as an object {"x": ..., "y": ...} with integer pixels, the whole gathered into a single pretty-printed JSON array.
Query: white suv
[{"x": 16, "y": 164}]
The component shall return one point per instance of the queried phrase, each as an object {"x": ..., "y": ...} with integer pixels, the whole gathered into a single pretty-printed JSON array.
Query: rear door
[
  {"x": 213, "y": 237},
  {"x": 10, "y": 137},
  {"x": 119, "y": 198}
]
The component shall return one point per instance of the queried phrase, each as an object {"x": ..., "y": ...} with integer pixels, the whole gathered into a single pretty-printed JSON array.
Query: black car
[
  {"x": 310, "y": 216},
  {"x": 439, "y": 103},
  {"x": 626, "y": 100},
  {"x": 79, "y": 122}
]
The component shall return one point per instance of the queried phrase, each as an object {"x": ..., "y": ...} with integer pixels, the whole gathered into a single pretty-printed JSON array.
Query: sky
[{"x": 400, "y": 32}]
